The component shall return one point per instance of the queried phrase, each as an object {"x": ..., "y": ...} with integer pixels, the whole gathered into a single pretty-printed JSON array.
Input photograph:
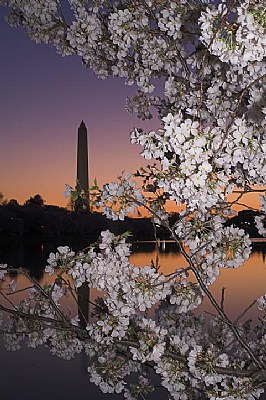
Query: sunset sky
[{"x": 43, "y": 98}]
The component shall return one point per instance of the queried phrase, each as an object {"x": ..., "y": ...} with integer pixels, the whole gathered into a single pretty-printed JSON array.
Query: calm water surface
[{"x": 34, "y": 374}]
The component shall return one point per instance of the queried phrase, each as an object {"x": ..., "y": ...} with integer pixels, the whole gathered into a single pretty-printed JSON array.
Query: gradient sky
[{"x": 43, "y": 98}]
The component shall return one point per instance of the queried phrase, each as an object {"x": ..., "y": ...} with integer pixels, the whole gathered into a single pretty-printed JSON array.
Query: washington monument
[{"x": 82, "y": 169}]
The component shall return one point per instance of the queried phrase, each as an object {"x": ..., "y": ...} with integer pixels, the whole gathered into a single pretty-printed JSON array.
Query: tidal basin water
[{"x": 35, "y": 374}]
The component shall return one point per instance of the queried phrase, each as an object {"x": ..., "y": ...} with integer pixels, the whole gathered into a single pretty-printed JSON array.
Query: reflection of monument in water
[{"x": 83, "y": 205}]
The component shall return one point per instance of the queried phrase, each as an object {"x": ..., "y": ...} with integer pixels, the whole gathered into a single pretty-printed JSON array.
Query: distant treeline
[{"x": 47, "y": 221}]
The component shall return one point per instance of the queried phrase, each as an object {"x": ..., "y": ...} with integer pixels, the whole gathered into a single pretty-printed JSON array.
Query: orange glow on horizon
[{"x": 54, "y": 196}]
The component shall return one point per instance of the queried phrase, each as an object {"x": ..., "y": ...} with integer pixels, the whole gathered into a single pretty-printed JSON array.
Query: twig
[
  {"x": 222, "y": 298},
  {"x": 245, "y": 311},
  {"x": 46, "y": 295},
  {"x": 178, "y": 272},
  {"x": 20, "y": 290},
  {"x": 57, "y": 324}
]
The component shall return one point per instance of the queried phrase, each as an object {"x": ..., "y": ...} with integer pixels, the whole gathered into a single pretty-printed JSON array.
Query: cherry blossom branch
[
  {"x": 206, "y": 290},
  {"x": 216, "y": 305},
  {"x": 57, "y": 324}
]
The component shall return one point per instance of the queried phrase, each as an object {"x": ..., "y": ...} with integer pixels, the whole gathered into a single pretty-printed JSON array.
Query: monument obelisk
[{"x": 82, "y": 204}]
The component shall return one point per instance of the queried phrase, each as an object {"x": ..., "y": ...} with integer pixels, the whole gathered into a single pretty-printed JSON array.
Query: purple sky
[{"x": 43, "y": 98}]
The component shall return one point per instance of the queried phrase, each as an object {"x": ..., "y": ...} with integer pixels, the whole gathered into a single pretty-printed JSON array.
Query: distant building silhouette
[{"x": 83, "y": 201}]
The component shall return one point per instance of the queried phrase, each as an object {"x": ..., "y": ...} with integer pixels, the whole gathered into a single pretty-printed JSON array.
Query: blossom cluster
[
  {"x": 260, "y": 220},
  {"x": 238, "y": 41},
  {"x": 120, "y": 198},
  {"x": 203, "y": 160}
]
